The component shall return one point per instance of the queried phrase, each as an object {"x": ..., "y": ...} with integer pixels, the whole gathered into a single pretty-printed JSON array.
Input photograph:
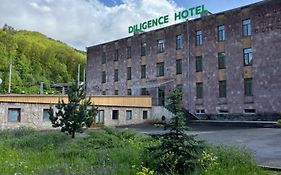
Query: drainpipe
[{"x": 188, "y": 67}]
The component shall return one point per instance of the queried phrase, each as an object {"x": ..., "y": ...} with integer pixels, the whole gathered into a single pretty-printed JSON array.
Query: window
[
  {"x": 116, "y": 55},
  {"x": 103, "y": 58},
  {"x": 199, "y": 90},
  {"x": 221, "y": 33},
  {"x": 129, "y": 73},
  {"x": 199, "y": 64},
  {"x": 199, "y": 38},
  {"x": 179, "y": 42},
  {"x": 129, "y": 52},
  {"x": 103, "y": 77},
  {"x": 144, "y": 115},
  {"x": 248, "y": 87},
  {"x": 247, "y": 28},
  {"x": 143, "y": 71},
  {"x": 115, "y": 115},
  {"x": 128, "y": 114},
  {"x": 249, "y": 111},
  {"x": 160, "y": 69},
  {"x": 129, "y": 91},
  {"x": 221, "y": 60},
  {"x": 144, "y": 91},
  {"x": 222, "y": 88},
  {"x": 46, "y": 115},
  {"x": 116, "y": 75},
  {"x": 14, "y": 114},
  {"x": 103, "y": 92},
  {"x": 178, "y": 67},
  {"x": 115, "y": 92},
  {"x": 200, "y": 111},
  {"x": 248, "y": 56},
  {"x": 143, "y": 49},
  {"x": 100, "y": 117},
  {"x": 222, "y": 111},
  {"x": 160, "y": 46}
]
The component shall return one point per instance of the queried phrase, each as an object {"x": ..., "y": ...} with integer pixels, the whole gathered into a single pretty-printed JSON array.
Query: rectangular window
[
  {"x": 222, "y": 88},
  {"x": 160, "y": 69},
  {"x": 178, "y": 66},
  {"x": 221, "y": 33},
  {"x": 128, "y": 114},
  {"x": 129, "y": 91},
  {"x": 248, "y": 56},
  {"x": 179, "y": 42},
  {"x": 221, "y": 60},
  {"x": 249, "y": 111},
  {"x": 144, "y": 91},
  {"x": 199, "y": 90},
  {"x": 46, "y": 115},
  {"x": 103, "y": 58},
  {"x": 129, "y": 73},
  {"x": 14, "y": 115},
  {"x": 143, "y": 71},
  {"x": 160, "y": 46},
  {"x": 200, "y": 111},
  {"x": 115, "y": 92},
  {"x": 115, "y": 115},
  {"x": 100, "y": 117},
  {"x": 248, "y": 85},
  {"x": 103, "y": 92},
  {"x": 103, "y": 77},
  {"x": 199, "y": 38},
  {"x": 129, "y": 52},
  {"x": 116, "y": 75},
  {"x": 247, "y": 28},
  {"x": 116, "y": 55},
  {"x": 199, "y": 64},
  {"x": 144, "y": 115},
  {"x": 143, "y": 49}
]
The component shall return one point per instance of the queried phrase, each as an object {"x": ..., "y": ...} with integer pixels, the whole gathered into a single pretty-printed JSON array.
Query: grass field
[{"x": 100, "y": 151}]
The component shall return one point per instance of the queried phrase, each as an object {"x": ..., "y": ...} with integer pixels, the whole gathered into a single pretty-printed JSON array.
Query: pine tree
[{"x": 75, "y": 114}]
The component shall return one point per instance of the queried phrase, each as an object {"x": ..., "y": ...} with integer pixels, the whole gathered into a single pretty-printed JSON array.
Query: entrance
[{"x": 161, "y": 96}]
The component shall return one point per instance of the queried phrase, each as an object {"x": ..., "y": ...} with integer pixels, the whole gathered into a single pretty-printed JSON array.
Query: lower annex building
[{"x": 226, "y": 64}]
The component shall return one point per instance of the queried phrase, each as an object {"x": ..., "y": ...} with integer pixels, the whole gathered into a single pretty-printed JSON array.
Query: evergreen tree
[
  {"x": 178, "y": 152},
  {"x": 75, "y": 114}
]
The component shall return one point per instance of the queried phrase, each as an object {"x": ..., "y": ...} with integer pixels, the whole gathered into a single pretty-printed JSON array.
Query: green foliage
[
  {"x": 178, "y": 152},
  {"x": 35, "y": 58},
  {"x": 75, "y": 114},
  {"x": 279, "y": 122}
]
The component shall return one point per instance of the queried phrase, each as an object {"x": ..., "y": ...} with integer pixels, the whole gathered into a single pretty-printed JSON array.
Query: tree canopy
[{"x": 35, "y": 58}]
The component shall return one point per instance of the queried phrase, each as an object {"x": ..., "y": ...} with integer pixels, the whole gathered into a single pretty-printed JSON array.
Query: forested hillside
[{"x": 35, "y": 58}]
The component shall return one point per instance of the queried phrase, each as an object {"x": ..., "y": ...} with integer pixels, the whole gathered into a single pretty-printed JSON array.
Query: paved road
[{"x": 265, "y": 143}]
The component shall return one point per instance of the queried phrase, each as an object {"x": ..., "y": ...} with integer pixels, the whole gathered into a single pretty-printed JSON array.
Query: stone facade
[{"x": 265, "y": 70}]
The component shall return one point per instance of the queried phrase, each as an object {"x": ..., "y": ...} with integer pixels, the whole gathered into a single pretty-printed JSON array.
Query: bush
[{"x": 279, "y": 122}]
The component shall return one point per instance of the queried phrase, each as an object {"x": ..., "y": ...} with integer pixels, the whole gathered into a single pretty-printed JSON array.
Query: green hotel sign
[{"x": 184, "y": 14}]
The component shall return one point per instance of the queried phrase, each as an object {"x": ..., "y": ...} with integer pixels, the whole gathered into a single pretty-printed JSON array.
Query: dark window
[
  {"x": 144, "y": 91},
  {"x": 115, "y": 92},
  {"x": 103, "y": 58},
  {"x": 160, "y": 69},
  {"x": 247, "y": 28},
  {"x": 178, "y": 66},
  {"x": 129, "y": 52},
  {"x": 129, "y": 73},
  {"x": 116, "y": 55},
  {"x": 199, "y": 63},
  {"x": 248, "y": 87},
  {"x": 221, "y": 60},
  {"x": 115, "y": 115},
  {"x": 144, "y": 115},
  {"x": 160, "y": 46},
  {"x": 103, "y": 77},
  {"x": 199, "y": 39},
  {"x": 200, "y": 111},
  {"x": 143, "y": 71},
  {"x": 249, "y": 111},
  {"x": 46, "y": 115},
  {"x": 199, "y": 90},
  {"x": 179, "y": 42},
  {"x": 129, "y": 91},
  {"x": 128, "y": 114},
  {"x": 221, "y": 33},
  {"x": 248, "y": 56},
  {"x": 116, "y": 75},
  {"x": 143, "y": 49},
  {"x": 222, "y": 88},
  {"x": 103, "y": 92},
  {"x": 14, "y": 115}
]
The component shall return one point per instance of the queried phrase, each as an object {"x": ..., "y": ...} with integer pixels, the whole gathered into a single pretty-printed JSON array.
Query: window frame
[
  {"x": 179, "y": 41},
  {"x": 222, "y": 89},
  {"x": 18, "y": 119},
  {"x": 178, "y": 66},
  {"x": 160, "y": 45},
  {"x": 221, "y": 32},
  {"x": 115, "y": 115},
  {"x": 247, "y": 27},
  {"x": 143, "y": 48},
  {"x": 116, "y": 76},
  {"x": 198, "y": 64},
  {"x": 199, "y": 38},
  {"x": 129, "y": 73},
  {"x": 248, "y": 87},
  {"x": 199, "y": 90},
  {"x": 160, "y": 68},
  {"x": 143, "y": 71},
  {"x": 221, "y": 60},
  {"x": 248, "y": 56},
  {"x": 130, "y": 117}
]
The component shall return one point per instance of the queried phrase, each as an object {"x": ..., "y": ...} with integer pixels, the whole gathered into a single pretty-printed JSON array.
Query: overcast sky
[{"x": 82, "y": 23}]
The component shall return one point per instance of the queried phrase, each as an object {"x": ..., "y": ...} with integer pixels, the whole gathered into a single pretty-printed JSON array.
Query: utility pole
[
  {"x": 78, "y": 76},
  {"x": 10, "y": 78}
]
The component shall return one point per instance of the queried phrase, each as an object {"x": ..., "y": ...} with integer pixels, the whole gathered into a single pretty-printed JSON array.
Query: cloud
[{"x": 81, "y": 23}]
